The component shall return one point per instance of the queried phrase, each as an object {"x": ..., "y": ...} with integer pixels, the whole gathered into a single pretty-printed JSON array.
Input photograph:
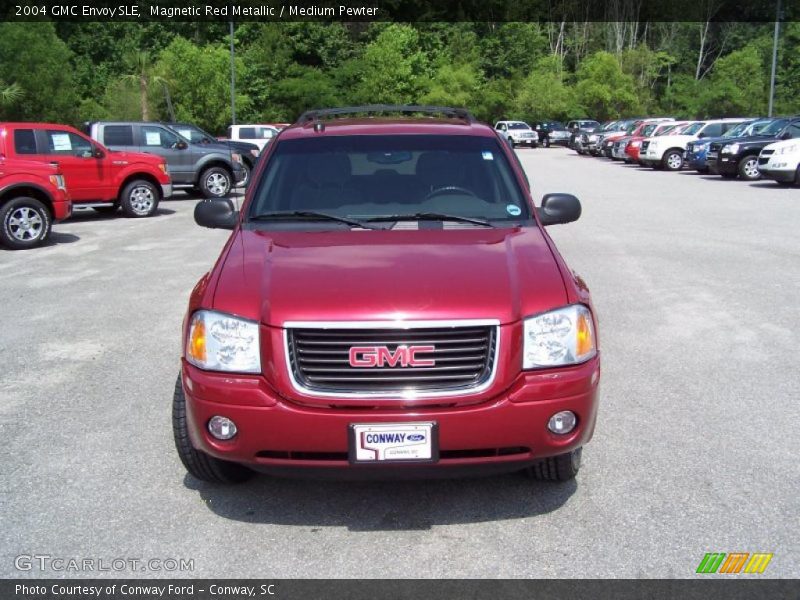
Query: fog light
[
  {"x": 562, "y": 422},
  {"x": 222, "y": 428}
]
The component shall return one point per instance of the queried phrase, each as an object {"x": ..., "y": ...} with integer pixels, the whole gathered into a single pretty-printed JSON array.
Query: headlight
[
  {"x": 699, "y": 147},
  {"x": 163, "y": 167},
  {"x": 730, "y": 149},
  {"x": 593, "y": 138},
  {"x": 561, "y": 337},
  {"x": 236, "y": 157},
  {"x": 58, "y": 181},
  {"x": 788, "y": 149},
  {"x": 635, "y": 144},
  {"x": 220, "y": 342},
  {"x": 255, "y": 152}
]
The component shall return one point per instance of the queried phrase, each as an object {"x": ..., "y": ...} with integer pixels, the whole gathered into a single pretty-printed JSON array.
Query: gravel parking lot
[{"x": 696, "y": 281}]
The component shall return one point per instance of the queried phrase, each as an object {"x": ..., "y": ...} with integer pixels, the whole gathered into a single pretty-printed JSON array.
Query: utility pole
[
  {"x": 233, "y": 81},
  {"x": 774, "y": 56}
]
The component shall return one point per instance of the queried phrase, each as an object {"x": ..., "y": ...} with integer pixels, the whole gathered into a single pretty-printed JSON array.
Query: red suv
[
  {"x": 95, "y": 176},
  {"x": 388, "y": 304},
  {"x": 33, "y": 195}
]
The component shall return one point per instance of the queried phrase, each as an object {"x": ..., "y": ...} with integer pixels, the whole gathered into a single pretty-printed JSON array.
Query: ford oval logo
[{"x": 415, "y": 437}]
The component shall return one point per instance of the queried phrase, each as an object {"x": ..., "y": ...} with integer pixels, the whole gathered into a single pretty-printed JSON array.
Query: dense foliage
[{"x": 74, "y": 72}]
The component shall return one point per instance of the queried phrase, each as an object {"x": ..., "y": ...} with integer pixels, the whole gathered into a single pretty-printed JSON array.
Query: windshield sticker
[
  {"x": 513, "y": 210},
  {"x": 487, "y": 155}
]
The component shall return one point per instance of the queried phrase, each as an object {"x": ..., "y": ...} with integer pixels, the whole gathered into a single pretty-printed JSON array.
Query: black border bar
[
  {"x": 715, "y": 587},
  {"x": 403, "y": 10}
]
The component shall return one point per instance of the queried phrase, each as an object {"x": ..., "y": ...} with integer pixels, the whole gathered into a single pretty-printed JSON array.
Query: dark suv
[
  {"x": 211, "y": 169},
  {"x": 388, "y": 303},
  {"x": 739, "y": 156}
]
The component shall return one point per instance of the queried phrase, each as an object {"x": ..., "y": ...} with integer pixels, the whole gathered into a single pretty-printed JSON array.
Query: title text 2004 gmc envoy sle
[{"x": 388, "y": 305}]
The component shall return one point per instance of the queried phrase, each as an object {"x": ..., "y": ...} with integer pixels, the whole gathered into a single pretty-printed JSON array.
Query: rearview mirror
[
  {"x": 557, "y": 209},
  {"x": 216, "y": 213}
]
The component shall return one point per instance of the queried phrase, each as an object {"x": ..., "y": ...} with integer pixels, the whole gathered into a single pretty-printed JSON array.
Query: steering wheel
[{"x": 450, "y": 189}]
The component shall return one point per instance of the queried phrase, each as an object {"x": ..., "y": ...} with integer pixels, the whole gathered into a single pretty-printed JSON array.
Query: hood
[
  {"x": 747, "y": 139},
  {"x": 465, "y": 273},
  {"x": 782, "y": 144}
]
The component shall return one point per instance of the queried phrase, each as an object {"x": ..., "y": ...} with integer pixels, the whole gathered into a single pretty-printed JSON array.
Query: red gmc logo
[{"x": 381, "y": 356}]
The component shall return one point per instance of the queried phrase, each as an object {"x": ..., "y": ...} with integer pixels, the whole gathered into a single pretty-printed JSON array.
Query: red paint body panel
[
  {"x": 89, "y": 179},
  {"x": 18, "y": 176},
  {"x": 501, "y": 274}
]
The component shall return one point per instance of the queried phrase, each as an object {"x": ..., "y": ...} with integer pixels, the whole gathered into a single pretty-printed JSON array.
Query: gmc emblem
[{"x": 381, "y": 356}]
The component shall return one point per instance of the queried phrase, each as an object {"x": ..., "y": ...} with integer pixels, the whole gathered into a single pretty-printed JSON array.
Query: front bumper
[
  {"x": 277, "y": 435},
  {"x": 782, "y": 174},
  {"x": 727, "y": 164},
  {"x": 166, "y": 191},
  {"x": 532, "y": 142}
]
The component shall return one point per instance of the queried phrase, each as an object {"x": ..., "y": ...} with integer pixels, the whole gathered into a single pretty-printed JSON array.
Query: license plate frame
[{"x": 356, "y": 442}]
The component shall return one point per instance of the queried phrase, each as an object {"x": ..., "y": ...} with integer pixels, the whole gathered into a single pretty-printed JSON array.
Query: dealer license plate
[{"x": 394, "y": 442}]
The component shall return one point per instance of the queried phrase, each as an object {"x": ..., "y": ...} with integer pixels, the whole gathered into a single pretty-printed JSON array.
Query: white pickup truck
[{"x": 260, "y": 135}]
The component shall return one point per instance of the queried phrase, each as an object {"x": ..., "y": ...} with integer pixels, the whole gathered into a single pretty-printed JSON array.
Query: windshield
[
  {"x": 693, "y": 128},
  {"x": 647, "y": 130},
  {"x": 774, "y": 127},
  {"x": 518, "y": 125},
  {"x": 192, "y": 133},
  {"x": 739, "y": 130},
  {"x": 631, "y": 128},
  {"x": 365, "y": 176}
]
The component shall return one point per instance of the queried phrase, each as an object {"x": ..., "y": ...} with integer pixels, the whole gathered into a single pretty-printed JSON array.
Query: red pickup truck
[
  {"x": 33, "y": 195},
  {"x": 95, "y": 176}
]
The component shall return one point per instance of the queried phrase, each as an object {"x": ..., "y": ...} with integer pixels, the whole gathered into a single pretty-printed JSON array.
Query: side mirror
[
  {"x": 98, "y": 153},
  {"x": 217, "y": 213},
  {"x": 181, "y": 145},
  {"x": 787, "y": 135},
  {"x": 701, "y": 135},
  {"x": 557, "y": 209}
]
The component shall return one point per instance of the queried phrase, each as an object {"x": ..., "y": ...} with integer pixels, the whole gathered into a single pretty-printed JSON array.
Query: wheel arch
[
  {"x": 28, "y": 189},
  {"x": 139, "y": 175}
]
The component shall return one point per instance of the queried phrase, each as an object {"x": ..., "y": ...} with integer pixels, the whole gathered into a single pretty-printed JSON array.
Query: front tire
[
  {"x": 673, "y": 160},
  {"x": 199, "y": 464},
  {"x": 26, "y": 223},
  {"x": 557, "y": 468},
  {"x": 139, "y": 199},
  {"x": 748, "y": 168},
  {"x": 215, "y": 182}
]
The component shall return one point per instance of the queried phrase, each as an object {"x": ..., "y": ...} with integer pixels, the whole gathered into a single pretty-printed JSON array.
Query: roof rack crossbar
[{"x": 316, "y": 115}]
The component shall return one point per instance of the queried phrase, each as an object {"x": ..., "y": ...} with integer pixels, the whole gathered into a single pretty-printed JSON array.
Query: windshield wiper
[
  {"x": 431, "y": 216},
  {"x": 310, "y": 215}
]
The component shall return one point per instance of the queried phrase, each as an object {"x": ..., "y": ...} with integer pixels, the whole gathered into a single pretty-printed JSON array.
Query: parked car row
[
  {"x": 46, "y": 169},
  {"x": 747, "y": 148}
]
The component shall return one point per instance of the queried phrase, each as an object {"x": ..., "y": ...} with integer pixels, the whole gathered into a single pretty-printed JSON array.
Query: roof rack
[{"x": 316, "y": 115}]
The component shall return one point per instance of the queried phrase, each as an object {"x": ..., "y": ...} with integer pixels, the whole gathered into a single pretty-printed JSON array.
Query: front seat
[{"x": 327, "y": 184}]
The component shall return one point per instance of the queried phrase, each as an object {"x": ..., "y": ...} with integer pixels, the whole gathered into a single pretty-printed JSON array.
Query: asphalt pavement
[{"x": 695, "y": 279}]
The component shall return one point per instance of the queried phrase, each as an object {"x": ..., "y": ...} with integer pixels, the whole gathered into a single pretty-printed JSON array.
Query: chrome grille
[{"x": 464, "y": 358}]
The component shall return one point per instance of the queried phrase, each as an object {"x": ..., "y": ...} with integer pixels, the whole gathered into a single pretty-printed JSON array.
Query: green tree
[
  {"x": 143, "y": 75},
  {"x": 737, "y": 86},
  {"x": 393, "y": 68},
  {"x": 38, "y": 64},
  {"x": 453, "y": 85},
  {"x": 603, "y": 89},
  {"x": 199, "y": 79},
  {"x": 544, "y": 95}
]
